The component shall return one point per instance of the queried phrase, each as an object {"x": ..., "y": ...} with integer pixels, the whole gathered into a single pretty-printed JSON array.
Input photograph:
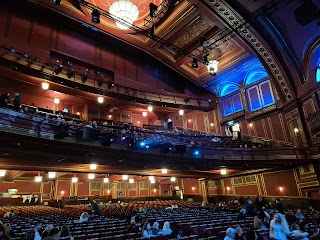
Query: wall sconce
[
  {"x": 193, "y": 188},
  {"x": 251, "y": 124},
  {"x": 228, "y": 188},
  {"x": 281, "y": 189},
  {"x": 296, "y": 130}
]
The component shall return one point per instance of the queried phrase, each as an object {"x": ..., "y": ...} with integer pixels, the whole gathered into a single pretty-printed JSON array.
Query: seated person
[
  {"x": 297, "y": 233},
  {"x": 10, "y": 214},
  {"x": 46, "y": 231},
  {"x": 132, "y": 227},
  {"x": 4, "y": 100},
  {"x": 8, "y": 234},
  {"x": 16, "y": 101},
  {"x": 84, "y": 217},
  {"x": 34, "y": 234},
  {"x": 155, "y": 229},
  {"x": 166, "y": 230},
  {"x": 239, "y": 233},
  {"x": 258, "y": 224},
  {"x": 230, "y": 234},
  {"x": 146, "y": 230},
  {"x": 54, "y": 234},
  {"x": 299, "y": 215},
  {"x": 65, "y": 232}
]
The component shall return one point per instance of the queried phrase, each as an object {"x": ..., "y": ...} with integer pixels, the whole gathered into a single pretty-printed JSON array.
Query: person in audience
[
  {"x": 250, "y": 208},
  {"x": 155, "y": 229},
  {"x": 95, "y": 208},
  {"x": 297, "y": 233},
  {"x": 19, "y": 213},
  {"x": 230, "y": 234},
  {"x": 239, "y": 233},
  {"x": 84, "y": 217},
  {"x": 279, "y": 229},
  {"x": 264, "y": 213},
  {"x": 65, "y": 233},
  {"x": 166, "y": 230},
  {"x": 258, "y": 224},
  {"x": 279, "y": 206},
  {"x": 132, "y": 227},
  {"x": 291, "y": 218},
  {"x": 146, "y": 230},
  {"x": 34, "y": 234},
  {"x": 299, "y": 215},
  {"x": 8, "y": 234},
  {"x": 54, "y": 234},
  {"x": 242, "y": 214},
  {"x": 251, "y": 235},
  {"x": 16, "y": 101},
  {"x": 2, "y": 236},
  {"x": 46, "y": 231},
  {"x": 313, "y": 232},
  {"x": 266, "y": 222},
  {"x": 10, "y": 214},
  {"x": 4, "y": 100}
]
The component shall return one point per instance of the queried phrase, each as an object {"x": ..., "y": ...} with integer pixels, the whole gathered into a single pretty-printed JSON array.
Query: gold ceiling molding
[{"x": 225, "y": 12}]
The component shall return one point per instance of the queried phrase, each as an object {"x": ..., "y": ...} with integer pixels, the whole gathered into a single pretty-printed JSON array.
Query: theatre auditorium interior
[{"x": 160, "y": 119}]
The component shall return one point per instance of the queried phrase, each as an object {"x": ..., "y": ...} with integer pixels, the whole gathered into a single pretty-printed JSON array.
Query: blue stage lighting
[
  {"x": 196, "y": 152},
  {"x": 123, "y": 138},
  {"x": 142, "y": 144},
  {"x": 111, "y": 139},
  {"x": 147, "y": 147}
]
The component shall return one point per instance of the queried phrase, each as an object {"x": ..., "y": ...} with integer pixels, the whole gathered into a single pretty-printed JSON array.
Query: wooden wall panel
[{"x": 247, "y": 190}]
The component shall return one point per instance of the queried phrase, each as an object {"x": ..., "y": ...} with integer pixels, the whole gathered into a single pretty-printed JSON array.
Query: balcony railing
[{"x": 314, "y": 122}]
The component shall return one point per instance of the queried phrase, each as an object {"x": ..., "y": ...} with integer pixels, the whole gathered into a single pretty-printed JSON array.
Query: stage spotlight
[
  {"x": 194, "y": 63},
  {"x": 196, "y": 152},
  {"x": 13, "y": 50},
  {"x": 95, "y": 16},
  {"x": 84, "y": 77},
  {"x": 147, "y": 146},
  {"x": 57, "y": 69},
  {"x": 26, "y": 55},
  {"x": 70, "y": 73},
  {"x": 203, "y": 40},
  {"x": 153, "y": 8},
  {"x": 56, "y": 2},
  {"x": 100, "y": 82}
]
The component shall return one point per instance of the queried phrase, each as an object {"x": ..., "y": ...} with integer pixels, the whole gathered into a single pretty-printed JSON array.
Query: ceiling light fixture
[
  {"x": 223, "y": 171},
  {"x": 106, "y": 180},
  {"x": 144, "y": 114},
  {"x": 51, "y": 174},
  {"x": 126, "y": 11},
  {"x": 213, "y": 67},
  {"x": 181, "y": 112},
  {"x": 93, "y": 166},
  {"x": 56, "y": 100},
  {"x": 125, "y": 177},
  {"x": 45, "y": 86},
  {"x": 173, "y": 179},
  {"x": 164, "y": 171},
  {"x": 131, "y": 180}
]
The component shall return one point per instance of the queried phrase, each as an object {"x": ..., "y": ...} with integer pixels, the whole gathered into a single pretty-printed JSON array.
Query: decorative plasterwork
[{"x": 246, "y": 31}]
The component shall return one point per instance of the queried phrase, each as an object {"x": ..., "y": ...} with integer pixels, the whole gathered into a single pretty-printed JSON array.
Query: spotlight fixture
[
  {"x": 153, "y": 8},
  {"x": 131, "y": 180},
  {"x": 56, "y": 2},
  {"x": 194, "y": 63},
  {"x": 164, "y": 171},
  {"x": 125, "y": 177},
  {"x": 13, "y": 50},
  {"x": 173, "y": 179},
  {"x": 205, "y": 59},
  {"x": 93, "y": 166},
  {"x": 84, "y": 77},
  {"x": 45, "y": 86},
  {"x": 106, "y": 180},
  {"x": 196, "y": 152},
  {"x": 181, "y": 112},
  {"x": 38, "y": 179},
  {"x": 3, "y": 173},
  {"x": 100, "y": 82},
  {"x": 150, "y": 108},
  {"x": 100, "y": 99},
  {"x": 26, "y": 56},
  {"x": 223, "y": 171},
  {"x": 95, "y": 16},
  {"x": 74, "y": 179},
  {"x": 56, "y": 100},
  {"x": 51, "y": 174},
  {"x": 70, "y": 73},
  {"x": 144, "y": 114},
  {"x": 91, "y": 176}
]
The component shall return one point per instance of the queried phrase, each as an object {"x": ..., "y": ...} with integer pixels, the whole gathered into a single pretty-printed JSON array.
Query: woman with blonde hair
[
  {"x": 166, "y": 230},
  {"x": 84, "y": 217},
  {"x": 279, "y": 228}
]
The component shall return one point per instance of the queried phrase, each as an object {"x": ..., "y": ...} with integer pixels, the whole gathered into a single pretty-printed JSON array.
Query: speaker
[{"x": 307, "y": 12}]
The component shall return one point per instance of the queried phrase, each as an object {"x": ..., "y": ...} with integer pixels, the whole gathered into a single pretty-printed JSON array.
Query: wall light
[
  {"x": 281, "y": 189},
  {"x": 296, "y": 130},
  {"x": 173, "y": 179},
  {"x": 181, "y": 112},
  {"x": 211, "y": 124},
  {"x": 108, "y": 191},
  {"x": 38, "y": 178},
  {"x": 106, "y": 180},
  {"x": 228, "y": 188},
  {"x": 93, "y": 166},
  {"x": 56, "y": 100},
  {"x": 100, "y": 99},
  {"x": 150, "y": 108},
  {"x": 2, "y": 173},
  {"x": 62, "y": 192},
  {"x": 152, "y": 181},
  {"x": 193, "y": 188},
  {"x": 74, "y": 179},
  {"x": 91, "y": 176},
  {"x": 125, "y": 177},
  {"x": 131, "y": 180},
  {"x": 144, "y": 114},
  {"x": 164, "y": 171},
  {"x": 251, "y": 124},
  {"x": 154, "y": 190},
  {"x": 223, "y": 171},
  {"x": 51, "y": 174},
  {"x": 189, "y": 120},
  {"x": 45, "y": 86},
  {"x": 78, "y": 113}
]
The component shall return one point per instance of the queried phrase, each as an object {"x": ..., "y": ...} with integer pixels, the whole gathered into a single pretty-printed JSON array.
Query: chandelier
[
  {"x": 125, "y": 10},
  {"x": 213, "y": 67}
]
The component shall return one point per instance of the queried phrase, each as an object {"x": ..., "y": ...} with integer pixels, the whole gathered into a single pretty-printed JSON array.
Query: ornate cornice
[{"x": 231, "y": 18}]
